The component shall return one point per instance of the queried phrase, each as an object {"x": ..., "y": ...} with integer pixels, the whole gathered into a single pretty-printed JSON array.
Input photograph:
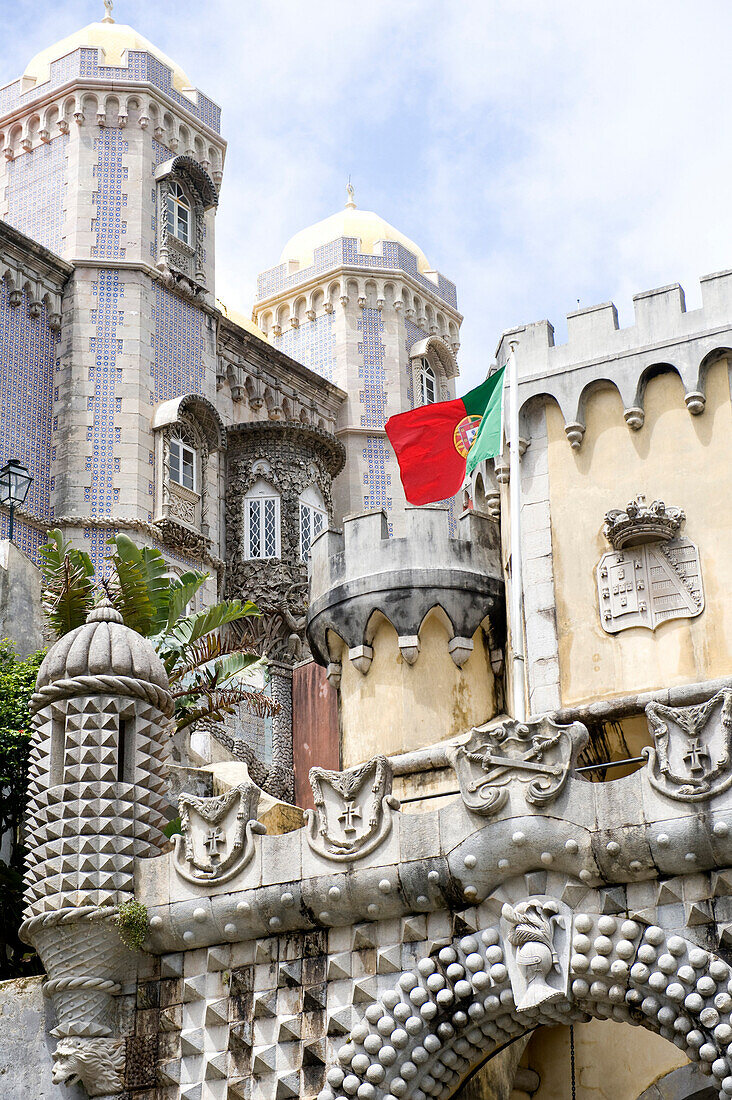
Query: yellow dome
[
  {"x": 113, "y": 39},
  {"x": 364, "y": 225},
  {"x": 242, "y": 321}
]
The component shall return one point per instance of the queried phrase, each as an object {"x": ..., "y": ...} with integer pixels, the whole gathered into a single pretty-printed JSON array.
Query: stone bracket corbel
[{"x": 361, "y": 657}]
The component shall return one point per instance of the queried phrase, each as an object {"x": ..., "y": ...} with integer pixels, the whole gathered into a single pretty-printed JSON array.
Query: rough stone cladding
[
  {"x": 298, "y": 457},
  {"x": 141, "y": 67},
  {"x": 36, "y": 192},
  {"x": 344, "y": 250},
  {"x": 312, "y": 344}
]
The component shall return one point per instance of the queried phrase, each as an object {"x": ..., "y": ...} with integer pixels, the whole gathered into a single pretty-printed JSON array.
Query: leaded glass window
[
  {"x": 313, "y": 519},
  {"x": 262, "y": 522}
]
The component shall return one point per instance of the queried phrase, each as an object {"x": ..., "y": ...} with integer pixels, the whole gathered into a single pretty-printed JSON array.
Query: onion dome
[
  {"x": 103, "y": 646},
  {"x": 114, "y": 39},
  {"x": 368, "y": 228}
]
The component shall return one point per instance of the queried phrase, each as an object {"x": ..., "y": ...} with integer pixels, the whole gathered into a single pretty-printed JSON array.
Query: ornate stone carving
[
  {"x": 539, "y": 931},
  {"x": 216, "y": 842},
  {"x": 97, "y": 1064},
  {"x": 353, "y": 810},
  {"x": 692, "y": 757},
  {"x": 652, "y": 575},
  {"x": 537, "y": 754},
  {"x": 640, "y": 522}
]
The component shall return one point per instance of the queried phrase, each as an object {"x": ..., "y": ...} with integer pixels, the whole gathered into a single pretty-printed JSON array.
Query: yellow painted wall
[
  {"x": 675, "y": 457},
  {"x": 397, "y": 707},
  {"x": 613, "y": 1061}
]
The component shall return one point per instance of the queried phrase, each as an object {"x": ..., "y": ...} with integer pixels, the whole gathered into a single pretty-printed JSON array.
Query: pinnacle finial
[
  {"x": 351, "y": 203},
  {"x": 108, "y": 5}
]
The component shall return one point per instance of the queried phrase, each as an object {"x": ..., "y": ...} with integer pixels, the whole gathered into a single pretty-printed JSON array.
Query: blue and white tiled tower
[
  {"x": 111, "y": 162},
  {"x": 358, "y": 302}
]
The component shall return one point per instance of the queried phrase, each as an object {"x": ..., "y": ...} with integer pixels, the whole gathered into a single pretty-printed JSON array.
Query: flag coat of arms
[{"x": 436, "y": 445}]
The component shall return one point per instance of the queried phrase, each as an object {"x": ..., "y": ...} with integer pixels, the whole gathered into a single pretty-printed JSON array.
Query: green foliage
[
  {"x": 68, "y": 590},
  {"x": 17, "y": 681},
  {"x": 131, "y": 921},
  {"x": 204, "y": 661}
]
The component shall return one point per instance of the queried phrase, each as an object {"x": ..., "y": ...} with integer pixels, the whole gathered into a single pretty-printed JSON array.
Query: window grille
[
  {"x": 263, "y": 527},
  {"x": 312, "y": 522}
]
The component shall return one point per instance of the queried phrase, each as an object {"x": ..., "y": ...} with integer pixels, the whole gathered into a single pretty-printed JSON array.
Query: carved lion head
[{"x": 97, "y": 1064}]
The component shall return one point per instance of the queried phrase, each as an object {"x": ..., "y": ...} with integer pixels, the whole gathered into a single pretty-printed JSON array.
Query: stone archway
[
  {"x": 685, "y": 1083},
  {"x": 530, "y": 964}
]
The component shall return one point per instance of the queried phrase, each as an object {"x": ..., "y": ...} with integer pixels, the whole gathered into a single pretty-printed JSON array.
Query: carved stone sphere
[{"x": 103, "y": 646}]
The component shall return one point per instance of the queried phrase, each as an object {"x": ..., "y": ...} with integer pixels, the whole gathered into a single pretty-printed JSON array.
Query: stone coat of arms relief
[
  {"x": 692, "y": 752},
  {"x": 353, "y": 810},
  {"x": 539, "y": 755},
  {"x": 653, "y": 574},
  {"x": 216, "y": 839}
]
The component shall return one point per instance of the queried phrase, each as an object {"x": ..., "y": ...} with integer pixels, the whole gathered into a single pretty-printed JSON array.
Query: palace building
[{"x": 396, "y": 887}]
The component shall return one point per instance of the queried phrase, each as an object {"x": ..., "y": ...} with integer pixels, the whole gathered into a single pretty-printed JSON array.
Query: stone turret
[
  {"x": 97, "y": 800},
  {"x": 410, "y": 629}
]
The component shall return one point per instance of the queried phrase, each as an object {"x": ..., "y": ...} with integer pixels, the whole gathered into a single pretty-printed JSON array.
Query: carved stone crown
[{"x": 641, "y": 522}]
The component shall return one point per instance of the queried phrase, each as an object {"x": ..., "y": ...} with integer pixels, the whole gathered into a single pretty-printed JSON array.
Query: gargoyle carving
[{"x": 97, "y": 1064}]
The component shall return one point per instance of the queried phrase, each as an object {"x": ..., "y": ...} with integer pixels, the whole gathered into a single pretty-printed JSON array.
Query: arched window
[
  {"x": 178, "y": 212},
  {"x": 313, "y": 519},
  {"x": 182, "y": 463},
  {"x": 262, "y": 521},
  {"x": 427, "y": 383}
]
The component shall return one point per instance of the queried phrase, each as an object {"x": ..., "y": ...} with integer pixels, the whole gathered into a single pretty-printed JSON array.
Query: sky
[{"x": 545, "y": 155}]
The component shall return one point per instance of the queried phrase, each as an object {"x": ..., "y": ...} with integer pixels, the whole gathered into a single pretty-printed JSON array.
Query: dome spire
[
  {"x": 351, "y": 203},
  {"x": 108, "y": 5}
]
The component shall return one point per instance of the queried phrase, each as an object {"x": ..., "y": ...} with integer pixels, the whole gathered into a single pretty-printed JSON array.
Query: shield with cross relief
[
  {"x": 215, "y": 842},
  {"x": 353, "y": 809}
]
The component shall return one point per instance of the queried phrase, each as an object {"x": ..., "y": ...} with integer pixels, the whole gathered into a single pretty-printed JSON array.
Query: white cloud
[{"x": 540, "y": 153}]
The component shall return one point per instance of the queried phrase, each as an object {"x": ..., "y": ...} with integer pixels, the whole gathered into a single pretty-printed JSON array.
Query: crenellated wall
[{"x": 410, "y": 628}]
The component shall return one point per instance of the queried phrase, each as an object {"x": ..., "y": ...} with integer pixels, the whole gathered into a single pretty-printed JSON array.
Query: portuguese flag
[{"x": 437, "y": 444}]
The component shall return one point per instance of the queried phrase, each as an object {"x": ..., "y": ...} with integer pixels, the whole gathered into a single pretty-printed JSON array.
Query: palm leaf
[
  {"x": 141, "y": 585},
  {"x": 68, "y": 585},
  {"x": 216, "y": 704},
  {"x": 200, "y": 623},
  {"x": 182, "y": 590}
]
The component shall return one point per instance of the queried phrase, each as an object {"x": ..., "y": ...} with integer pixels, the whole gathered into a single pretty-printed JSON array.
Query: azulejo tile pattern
[
  {"x": 344, "y": 250},
  {"x": 37, "y": 193},
  {"x": 109, "y": 198},
  {"x": 100, "y": 494},
  {"x": 141, "y": 66},
  {"x": 373, "y": 396},
  {"x": 26, "y": 392},
  {"x": 377, "y": 456},
  {"x": 313, "y": 344},
  {"x": 178, "y": 367}
]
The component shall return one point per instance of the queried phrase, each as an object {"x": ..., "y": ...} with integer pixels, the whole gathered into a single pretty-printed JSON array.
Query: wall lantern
[{"x": 15, "y": 481}]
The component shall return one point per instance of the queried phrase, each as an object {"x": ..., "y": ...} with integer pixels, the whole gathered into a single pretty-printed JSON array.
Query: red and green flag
[{"x": 436, "y": 445}]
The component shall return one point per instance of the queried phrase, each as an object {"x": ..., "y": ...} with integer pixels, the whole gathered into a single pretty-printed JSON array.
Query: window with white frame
[
  {"x": 262, "y": 521},
  {"x": 178, "y": 213},
  {"x": 313, "y": 519},
  {"x": 427, "y": 383},
  {"x": 182, "y": 463}
]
